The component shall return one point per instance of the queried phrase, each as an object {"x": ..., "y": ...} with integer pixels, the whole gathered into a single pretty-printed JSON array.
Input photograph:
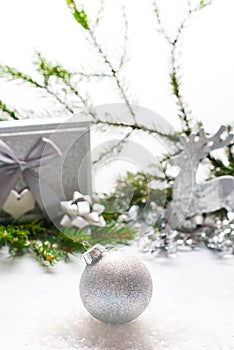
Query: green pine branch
[
  {"x": 63, "y": 76},
  {"x": 114, "y": 72},
  {"x": 63, "y": 85},
  {"x": 184, "y": 113},
  {"x": 12, "y": 113},
  {"x": 82, "y": 18},
  {"x": 133, "y": 189},
  {"x": 49, "y": 245},
  {"x": 11, "y": 73},
  {"x": 79, "y": 14}
]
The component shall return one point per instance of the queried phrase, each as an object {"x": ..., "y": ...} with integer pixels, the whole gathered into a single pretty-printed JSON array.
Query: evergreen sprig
[
  {"x": 63, "y": 85},
  {"x": 134, "y": 189},
  {"x": 12, "y": 113},
  {"x": 184, "y": 112},
  {"x": 113, "y": 233},
  {"x": 12, "y": 73},
  {"x": 50, "y": 245},
  {"x": 79, "y": 15},
  {"x": 47, "y": 69}
]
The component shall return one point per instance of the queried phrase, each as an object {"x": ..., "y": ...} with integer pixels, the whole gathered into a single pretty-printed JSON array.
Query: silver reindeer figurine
[{"x": 191, "y": 198}]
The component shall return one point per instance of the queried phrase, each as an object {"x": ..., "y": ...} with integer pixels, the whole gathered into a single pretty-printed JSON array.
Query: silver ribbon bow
[
  {"x": 11, "y": 167},
  {"x": 80, "y": 212}
]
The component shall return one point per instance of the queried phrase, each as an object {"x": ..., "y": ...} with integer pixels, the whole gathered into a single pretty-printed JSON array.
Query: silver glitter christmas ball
[{"x": 115, "y": 287}]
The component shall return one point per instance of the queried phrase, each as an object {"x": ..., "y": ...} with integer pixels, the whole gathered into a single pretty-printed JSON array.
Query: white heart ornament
[{"x": 18, "y": 204}]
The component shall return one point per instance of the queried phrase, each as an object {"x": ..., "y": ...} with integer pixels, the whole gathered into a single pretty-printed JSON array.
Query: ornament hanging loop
[{"x": 93, "y": 254}]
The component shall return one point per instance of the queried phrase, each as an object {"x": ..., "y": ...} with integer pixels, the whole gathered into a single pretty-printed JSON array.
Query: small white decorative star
[{"x": 80, "y": 212}]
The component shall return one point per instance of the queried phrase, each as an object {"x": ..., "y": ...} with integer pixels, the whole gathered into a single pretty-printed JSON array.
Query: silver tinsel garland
[
  {"x": 221, "y": 236},
  {"x": 214, "y": 233}
]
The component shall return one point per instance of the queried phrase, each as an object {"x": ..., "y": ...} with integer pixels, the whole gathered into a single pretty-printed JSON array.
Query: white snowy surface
[{"x": 192, "y": 307}]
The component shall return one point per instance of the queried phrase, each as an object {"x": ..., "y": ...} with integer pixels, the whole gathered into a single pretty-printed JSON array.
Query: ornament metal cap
[{"x": 93, "y": 254}]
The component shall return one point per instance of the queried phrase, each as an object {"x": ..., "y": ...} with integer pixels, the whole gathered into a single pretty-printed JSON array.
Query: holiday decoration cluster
[{"x": 181, "y": 215}]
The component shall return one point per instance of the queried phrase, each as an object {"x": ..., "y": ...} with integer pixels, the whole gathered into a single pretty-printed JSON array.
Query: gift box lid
[{"x": 43, "y": 123}]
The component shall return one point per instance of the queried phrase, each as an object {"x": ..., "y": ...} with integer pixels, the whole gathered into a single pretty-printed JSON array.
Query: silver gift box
[{"x": 65, "y": 174}]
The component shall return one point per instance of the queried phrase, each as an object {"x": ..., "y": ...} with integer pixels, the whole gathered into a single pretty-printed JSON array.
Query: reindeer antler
[
  {"x": 216, "y": 140},
  {"x": 193, "y": 141},
  {"x": 203, "y": 145}
]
